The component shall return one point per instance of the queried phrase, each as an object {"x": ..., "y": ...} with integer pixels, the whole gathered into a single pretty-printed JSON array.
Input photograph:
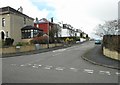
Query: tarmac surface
[{"x": 96, "y": 56}]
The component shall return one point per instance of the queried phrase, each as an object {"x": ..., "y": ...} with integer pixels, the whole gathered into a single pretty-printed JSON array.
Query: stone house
[{"x": 11, "y": 23}]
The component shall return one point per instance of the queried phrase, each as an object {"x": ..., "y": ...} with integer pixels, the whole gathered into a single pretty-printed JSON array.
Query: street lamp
[
  {"x": 49, "y": 27},
  {"x": 48, "y": 34}
]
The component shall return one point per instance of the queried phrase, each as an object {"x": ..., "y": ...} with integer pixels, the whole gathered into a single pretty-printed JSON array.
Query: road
[{"x": 58, "y": 66}]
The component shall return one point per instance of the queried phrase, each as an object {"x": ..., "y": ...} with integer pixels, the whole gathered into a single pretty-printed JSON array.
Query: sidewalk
[
  {"x": 95, "y": 56},
  {"x": 38, "y": 51},
  {"x": 33, "y": 52}
]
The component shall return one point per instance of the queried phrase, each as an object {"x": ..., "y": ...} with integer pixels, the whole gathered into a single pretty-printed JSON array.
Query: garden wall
[
  {"x": 14, "y": 49},
  {"x": 111, "y": 46}
]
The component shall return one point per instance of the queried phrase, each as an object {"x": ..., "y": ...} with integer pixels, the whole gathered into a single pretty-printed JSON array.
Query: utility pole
[{"x": 48, "y": 34}]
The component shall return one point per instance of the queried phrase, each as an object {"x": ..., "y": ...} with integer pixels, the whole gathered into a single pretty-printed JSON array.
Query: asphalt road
[{"x": 58, "y": 66}]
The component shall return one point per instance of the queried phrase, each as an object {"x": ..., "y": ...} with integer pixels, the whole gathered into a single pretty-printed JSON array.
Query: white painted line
[
  {"x": 74, "y": 69},
  {"x": 60, "y": 68},
  {"x": 117, "y": 73},
  {"x": 105, "y": 72},
  {"x": 13, "y": 64},
  {"x": 34, "y": 66},
  {"x": 88, "y": 71},
  {"x": 57, "y": 54},
  {"x": 60, "y": 50},
  {"x": 48, "y": 67},
  {"x": 39, "y": 65},
  {"x": 22, "y": 65},
  {"x": 29, "y": 64}
]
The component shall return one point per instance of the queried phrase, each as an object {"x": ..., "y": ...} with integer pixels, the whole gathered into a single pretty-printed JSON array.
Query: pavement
[
  {"x": 96, "y": 57},
  {"x": 33, "y": 52}
]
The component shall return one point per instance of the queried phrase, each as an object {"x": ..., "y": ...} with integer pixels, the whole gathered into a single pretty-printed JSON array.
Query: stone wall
[
  {"x": 111, "y": 54},
  {"x": 15, "y": 49},
  {"x": 111, "y": 46}
]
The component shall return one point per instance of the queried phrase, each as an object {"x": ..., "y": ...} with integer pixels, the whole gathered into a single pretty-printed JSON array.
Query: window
[
  {"x": 27, "y": 34},
  {"x": 37, "y": 26},
  {"x": 24, "y": 20},
  {"x": 3, "y": 22},
  {"x": 7, "y": 34}
]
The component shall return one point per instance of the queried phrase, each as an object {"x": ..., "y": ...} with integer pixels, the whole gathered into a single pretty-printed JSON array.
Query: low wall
[
  {"x": 111, "y": 54},
  {"x": 26, "y": 48},
  {"x": 13, "y": 49}
]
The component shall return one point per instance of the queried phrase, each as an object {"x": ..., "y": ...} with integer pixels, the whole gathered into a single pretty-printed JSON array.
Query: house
[
  {"x": 52, "y": 29},
  {"x": 43, "y": 24},
  {"x": 68, "y": 31},
  {"x": 119, "y": 18},
  {"x": 14, "y": 24}
]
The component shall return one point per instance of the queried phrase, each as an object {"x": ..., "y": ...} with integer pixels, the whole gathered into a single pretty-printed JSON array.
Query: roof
[
  {"x": 29, "y": 27},
  {"x": 43, "y": 21},
  {"x": 10, "y": 10}
]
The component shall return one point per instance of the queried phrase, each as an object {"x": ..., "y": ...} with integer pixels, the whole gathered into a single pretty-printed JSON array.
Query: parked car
[{"x": 97, "y": 41}]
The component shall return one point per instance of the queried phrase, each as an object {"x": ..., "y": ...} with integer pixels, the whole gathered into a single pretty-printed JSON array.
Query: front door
[{"x": 2, "y": 35}]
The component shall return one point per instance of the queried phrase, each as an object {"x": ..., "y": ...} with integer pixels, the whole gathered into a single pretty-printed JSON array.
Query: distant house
[
  {"x": 53, "y": 30},
  {"x": 68, "y": 31},
  {"x": 119, "y": 18},
  {"x": 15, "y": 24},
  {"x": 43, "y": 24}
]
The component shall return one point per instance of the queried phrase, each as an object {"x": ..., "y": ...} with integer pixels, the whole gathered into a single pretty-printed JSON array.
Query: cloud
[
  {"x": 81, "y": 14},
  {"x": 28, "y": 8}
]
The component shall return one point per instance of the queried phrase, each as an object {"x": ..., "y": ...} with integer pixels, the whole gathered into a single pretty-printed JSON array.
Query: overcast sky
[{"x": 81, "y": 14}]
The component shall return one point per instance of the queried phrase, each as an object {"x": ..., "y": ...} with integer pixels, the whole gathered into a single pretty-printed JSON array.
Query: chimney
[{"x": 20, "y": 9}]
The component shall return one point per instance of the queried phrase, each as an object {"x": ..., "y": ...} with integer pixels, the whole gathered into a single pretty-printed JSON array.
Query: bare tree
[
  {"x": 55, "y": 32},
  {"x": 108, "y": 28}
]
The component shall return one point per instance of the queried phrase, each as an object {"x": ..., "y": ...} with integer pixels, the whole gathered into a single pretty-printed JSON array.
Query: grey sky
[{"x": 81, "y": 14}]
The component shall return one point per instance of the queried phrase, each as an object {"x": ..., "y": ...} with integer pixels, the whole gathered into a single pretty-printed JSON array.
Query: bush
[
  {"x": 8, "y": 42},
  {"x": 21, "y": 44},
  {"x": 39, "y": 40}
]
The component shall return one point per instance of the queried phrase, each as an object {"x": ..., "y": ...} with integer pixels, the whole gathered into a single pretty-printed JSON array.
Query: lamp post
[
  {"x": 49, "y": 27},
  {"x": 48, "y": 34}
]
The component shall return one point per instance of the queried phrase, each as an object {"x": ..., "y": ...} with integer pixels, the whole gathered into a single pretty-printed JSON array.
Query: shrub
[
  {"x": 8, "y": 42},
  {"x": 22, "y": 43},
  {"x": 39, "y": 40}
]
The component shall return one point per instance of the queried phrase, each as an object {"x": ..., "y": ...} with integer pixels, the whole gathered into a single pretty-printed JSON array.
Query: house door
[{"x": 2, "y": 35}]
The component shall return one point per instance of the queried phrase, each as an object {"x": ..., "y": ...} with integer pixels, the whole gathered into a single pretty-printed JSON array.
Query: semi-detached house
[{"x": 11, "y": 23}]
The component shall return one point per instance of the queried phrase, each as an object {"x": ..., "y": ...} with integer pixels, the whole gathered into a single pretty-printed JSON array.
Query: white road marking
[
  {"x": 104, "y": 72},
  {"x": 39, "y": 65},
  {"x": 60, "y": 68},
  {"x": 29, "y": 64},
  {"x": 88, "y": 71},
  {"x": 48, "y": 67},
  {"x": 22, "y": 65},
  {"x": 60, "y": 50},
  {"x": 13, "y": 64},
  {"x": 117, "y": 73},
  {"x": 74, "y": 69},
  {"x": 56, "y": 54},
  {"x": 34, "y": 66}
]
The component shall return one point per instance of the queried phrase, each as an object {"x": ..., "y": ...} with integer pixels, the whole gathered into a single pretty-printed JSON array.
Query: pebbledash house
[{"x": 16, "y": 25}]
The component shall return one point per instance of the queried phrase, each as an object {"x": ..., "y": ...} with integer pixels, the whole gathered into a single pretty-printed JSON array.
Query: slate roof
[
  {"x": 29, "y": 27},
  {"x": 10, "y": 10}
]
